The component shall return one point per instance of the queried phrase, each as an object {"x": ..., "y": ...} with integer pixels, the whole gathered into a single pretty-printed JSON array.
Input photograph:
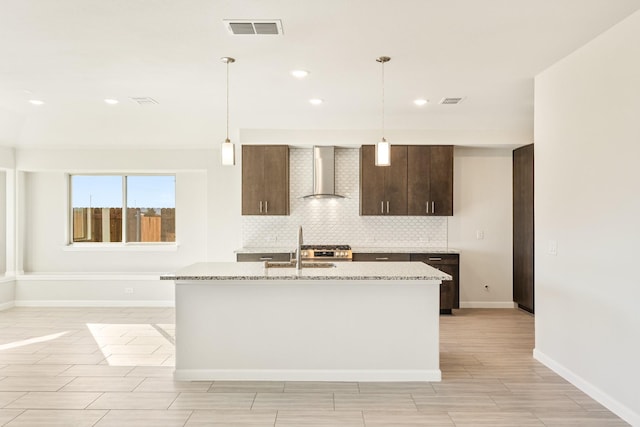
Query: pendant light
[
  {"x": 228, "y": 149},
  {"x": 383, "y": 148}
]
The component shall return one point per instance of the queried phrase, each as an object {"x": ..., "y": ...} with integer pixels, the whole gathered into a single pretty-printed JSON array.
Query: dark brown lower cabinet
[
  {"x": 263, "y": 256},
  {"x": 447, "y": 263},
  {"x": 449, "y": 289}
]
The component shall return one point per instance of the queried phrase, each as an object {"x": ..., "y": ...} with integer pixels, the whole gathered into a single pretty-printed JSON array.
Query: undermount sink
[{"x": 292, "y": 264}]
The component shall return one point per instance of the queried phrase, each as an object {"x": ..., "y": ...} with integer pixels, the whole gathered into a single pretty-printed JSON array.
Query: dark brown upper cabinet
[
  {"x": 430, "y": 180},
  {"x": 265, "y": 180},
  {"x": 383, "y": 189},
  {"x": 418, "y": 182}
]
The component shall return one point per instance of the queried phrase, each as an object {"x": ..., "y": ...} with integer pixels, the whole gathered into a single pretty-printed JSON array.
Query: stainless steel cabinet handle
[
  {"x": 266, "y": 258},
  {"x": 260, "y": 206},
  {"x": 386, "y": 258},
  {"x": 381, "y": 206},
  {"x": 432, "y": 209},
  {"x": 426, "y": 206},
  {"x": 387, "y": 206},
  {"x": 435, "y": 259},
  {"x": 266, "y": 206}
]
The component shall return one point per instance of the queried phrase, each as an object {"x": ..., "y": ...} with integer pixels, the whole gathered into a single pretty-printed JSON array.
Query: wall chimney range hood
[{"x": 324, "y": 173}]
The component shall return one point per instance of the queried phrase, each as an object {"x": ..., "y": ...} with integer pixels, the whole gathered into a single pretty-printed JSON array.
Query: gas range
[{"x": 326, "y": 253}]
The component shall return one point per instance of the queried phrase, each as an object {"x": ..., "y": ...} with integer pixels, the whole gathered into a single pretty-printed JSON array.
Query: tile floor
[{"x": 113, "y": 367}]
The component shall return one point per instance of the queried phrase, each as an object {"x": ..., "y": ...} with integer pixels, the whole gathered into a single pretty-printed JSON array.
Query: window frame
[{"x": 123, "y": 244}]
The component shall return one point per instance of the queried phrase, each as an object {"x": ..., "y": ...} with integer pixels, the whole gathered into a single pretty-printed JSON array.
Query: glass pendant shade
[
  {"x": 383, "y": 153},
  {"x": 228, "y": 153}
]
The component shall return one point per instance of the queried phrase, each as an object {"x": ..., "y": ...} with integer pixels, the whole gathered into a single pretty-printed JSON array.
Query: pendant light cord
[
  {"x": 227, "y": 101},
  {"x": 382, "y": 99}
]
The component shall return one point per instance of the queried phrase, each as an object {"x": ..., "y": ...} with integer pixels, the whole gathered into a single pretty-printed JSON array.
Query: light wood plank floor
[{"x": 113, "y": 367}]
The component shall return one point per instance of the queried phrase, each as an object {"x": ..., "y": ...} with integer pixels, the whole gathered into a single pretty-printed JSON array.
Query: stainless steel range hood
[{"x": 324, "y": 173}]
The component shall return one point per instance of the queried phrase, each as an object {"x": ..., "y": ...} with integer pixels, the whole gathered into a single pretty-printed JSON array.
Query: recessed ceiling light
[
  {"x": 36, "y": 101},
  {"x": 111, "y": 101},
  {"x": 299, "y": 74},
  {"x": 316, "y": 101},
  {"x": 420, "y": 102}
]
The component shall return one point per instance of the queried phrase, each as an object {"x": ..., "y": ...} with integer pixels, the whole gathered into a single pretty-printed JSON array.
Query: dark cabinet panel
[
  {"x": 447, "y": 263},
  {"x": 523, "y": 228},
  {"x": 276, "y": 180},
  {"x": 381, "y": 257},
  {"x": 430, "y": 180},
  {"x": 263, "y": 256},
  {"x": 371, "y": 183},
  {"x": 265, "y": 180},
  {"x": 450, "y": 289},
  {"x": 383, "y": 189}
]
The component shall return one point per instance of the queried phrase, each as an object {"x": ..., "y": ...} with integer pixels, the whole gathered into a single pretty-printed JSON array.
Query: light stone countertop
[
  {"x": 359, "y": 249},
  {"x": 341, "y": 271}
]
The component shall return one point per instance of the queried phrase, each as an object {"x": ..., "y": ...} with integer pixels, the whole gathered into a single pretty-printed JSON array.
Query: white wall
[
  {"x": 3, "y": 222},
  {"x": 587, "y": 185},
  {"x": 482, "y": 202},
  {"x": 7, "y": 158},
  {"x": 46, "y": 233},
  {"x": 207, "y": 225}
]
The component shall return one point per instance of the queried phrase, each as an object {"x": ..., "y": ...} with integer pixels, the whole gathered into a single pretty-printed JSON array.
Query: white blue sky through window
[{"x": 105, "y": 191}]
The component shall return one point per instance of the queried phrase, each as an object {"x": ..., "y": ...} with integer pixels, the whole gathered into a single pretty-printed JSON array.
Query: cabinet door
[
  {"x": 276, "y": 180},
  {"x": 419, "y": 182},
  {"x": 449, "y": 289},
  {"x": 381, "y": 257},
  {"x": 523, "y": 228},
  {"x": 372, "y": 198},
  {"x": 395, "y": 182},
  {"x": 263, "y": 256},
  {"x": 252, "y": 180},
  {"x": 430, "y": 180},
  {"x": 441, "y": 176}
]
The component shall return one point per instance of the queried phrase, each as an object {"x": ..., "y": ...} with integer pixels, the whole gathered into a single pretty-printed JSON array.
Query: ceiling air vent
[
  {"x": 451, "y": 101},
  {"x": 254, "y": 26},
  {"x": 144, "y": 100}
]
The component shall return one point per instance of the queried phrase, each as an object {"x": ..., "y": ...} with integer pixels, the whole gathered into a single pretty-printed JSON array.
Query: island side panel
[{"x": 320, "y": 330}]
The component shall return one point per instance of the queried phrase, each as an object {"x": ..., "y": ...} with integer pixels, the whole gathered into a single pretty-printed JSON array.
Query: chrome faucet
[{"x": 299, "y": 250}]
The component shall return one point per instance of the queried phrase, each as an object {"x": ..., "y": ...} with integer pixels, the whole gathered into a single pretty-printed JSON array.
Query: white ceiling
[{"x": 74, "y": 53}]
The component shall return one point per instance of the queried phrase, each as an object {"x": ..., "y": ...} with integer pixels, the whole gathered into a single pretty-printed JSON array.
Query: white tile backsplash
[{"x": 337, "y": 221}]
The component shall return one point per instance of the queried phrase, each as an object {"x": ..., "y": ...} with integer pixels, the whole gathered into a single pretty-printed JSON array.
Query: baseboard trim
[
  {"x": 487, "y": 304},
  {"x": 7, "y": 305},
  {"x": 624, "y": 412},
  {"x": 306, "y": 375},
  {"x": 93, "y": 303}
]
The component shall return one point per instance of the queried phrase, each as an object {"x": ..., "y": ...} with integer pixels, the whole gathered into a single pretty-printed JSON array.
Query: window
[{"x": 98, "y": 203}]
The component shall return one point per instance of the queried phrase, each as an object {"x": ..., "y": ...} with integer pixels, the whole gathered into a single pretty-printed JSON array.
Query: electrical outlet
[
  {"x": 553, "y": 247},
  {"x": 128, "y": 290},
  {"x": 479, "y": 234}
]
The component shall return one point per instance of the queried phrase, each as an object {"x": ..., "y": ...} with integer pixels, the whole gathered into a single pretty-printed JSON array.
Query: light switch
[{"x": 479, "y": 234}]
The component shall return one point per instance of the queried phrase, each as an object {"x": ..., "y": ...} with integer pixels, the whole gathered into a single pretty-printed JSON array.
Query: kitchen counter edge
[{"x": 357, "y": 249}]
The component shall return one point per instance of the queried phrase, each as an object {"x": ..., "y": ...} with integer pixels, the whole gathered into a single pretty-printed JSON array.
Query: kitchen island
[{"x": 351, "y": 322}]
